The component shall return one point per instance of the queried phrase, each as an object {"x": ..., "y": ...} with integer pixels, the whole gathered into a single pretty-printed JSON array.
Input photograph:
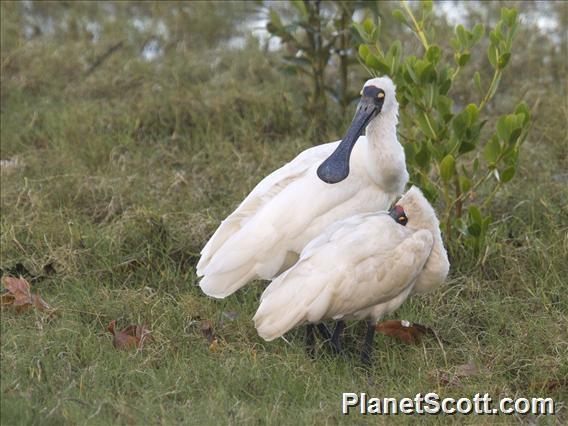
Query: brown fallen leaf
[
  {"x": 462, "y": 371},
  {"x": 20, "y": 297},
  {"x": 552, "y": 384},
  {"x": 207, "y": 330},
  {"x": 132, "y": 337},
  {"x": 403, "y": 330}
]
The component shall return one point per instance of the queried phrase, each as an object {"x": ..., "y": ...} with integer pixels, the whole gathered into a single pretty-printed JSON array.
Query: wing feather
[
  {"x": 355, "y": 264},
  {"x": 262, "y": 194}
]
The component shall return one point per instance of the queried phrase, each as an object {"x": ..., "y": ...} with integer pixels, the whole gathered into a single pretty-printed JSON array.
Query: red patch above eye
[{"x": 399, "y": 210}]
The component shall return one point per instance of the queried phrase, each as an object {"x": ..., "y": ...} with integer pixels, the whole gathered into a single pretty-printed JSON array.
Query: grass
[{"x": 123, "y": 176}]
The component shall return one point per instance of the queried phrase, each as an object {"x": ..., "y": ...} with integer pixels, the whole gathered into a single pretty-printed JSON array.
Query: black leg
[
  {"x": 310, "y": 340},
  {"x": 367, "y": 352},
  {"x": 336, "y": 338},
  {"x": 324, "y": 331}
]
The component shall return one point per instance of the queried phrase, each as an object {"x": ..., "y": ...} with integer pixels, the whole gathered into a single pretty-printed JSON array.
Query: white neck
[{"x": 386, "y": 163}]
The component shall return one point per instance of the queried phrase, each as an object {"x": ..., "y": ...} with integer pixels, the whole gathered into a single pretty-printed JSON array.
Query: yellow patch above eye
[{"x": 381, "y": 95}]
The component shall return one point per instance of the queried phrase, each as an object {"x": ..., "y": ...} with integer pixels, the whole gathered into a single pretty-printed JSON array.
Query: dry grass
[{"x": 122, "y": 177}]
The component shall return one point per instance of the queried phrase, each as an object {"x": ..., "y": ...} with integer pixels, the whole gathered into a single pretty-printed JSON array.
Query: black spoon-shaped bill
[{"x": 336, "y": 167}]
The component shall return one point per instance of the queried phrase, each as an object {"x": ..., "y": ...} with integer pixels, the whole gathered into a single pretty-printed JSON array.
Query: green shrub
[
  {"x": 314, "y": 35},
  {"x": 449, "y": 153}
]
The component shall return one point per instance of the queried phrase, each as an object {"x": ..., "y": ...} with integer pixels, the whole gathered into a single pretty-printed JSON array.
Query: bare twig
[{"x": 100, "y": 60}]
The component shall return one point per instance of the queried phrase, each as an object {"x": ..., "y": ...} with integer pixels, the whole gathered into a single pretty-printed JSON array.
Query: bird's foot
[
  {"x": 310, "y": 341},
  {"x": 367, "y": 352},
  {"x": 335, "y": 341}
]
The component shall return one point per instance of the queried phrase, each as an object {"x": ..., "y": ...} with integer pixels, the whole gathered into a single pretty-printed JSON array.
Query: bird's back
[{"x": 356, "y": 263}]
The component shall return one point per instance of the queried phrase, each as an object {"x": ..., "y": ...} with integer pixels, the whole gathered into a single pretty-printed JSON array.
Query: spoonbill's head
[
  {"x": 418, "y": 212},
  {"x": 377, "y": 96},
  {"x": 399, "y": 215}
]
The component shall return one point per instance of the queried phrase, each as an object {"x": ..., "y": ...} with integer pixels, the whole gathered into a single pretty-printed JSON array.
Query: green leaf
[
  {"x": 494, "y": 38},
  {"x": 515, "y": 135},
  {"x": 465, "y": 184},
  {"x": 460, "y": 225},
  {"x": 444, "y": 105},
  {"x": 433, "y": 54},
  {"x": 504, "y": 60},
  {"x": 447, "y": 167},
  {"x": 409, "y": 152},
  {"x": 422, "y": 119},
  {"x": 445, "y": 86},
  {"x": 478, "y": 31},
  {"x": 475, "y": 167},
  {"x": 493, "y": 88},
  {"x": 475, "y": 214},
  {"x": 492, "y": 54},
  {"x": 504, "y": 128},
  {"x": 508, "y": 174},
  {"x": 477, "y": 80},
  {"x": 523, "y": 108},
  {"x": 474, "y": 229},
  {"x": 499, "y": 30},
  {"x": 361, "y": 31},
  {"x": 275, "y": 18},
  {"x": 364, "y": 51},
  {"x": 399, "y": 16},
  {"x": 492, "y": 150},
  {"x": 409, "y": 66},
  {"x": 393, "y": 56},
  {"x": 300, "y": 7},
  {"x": 509, "y": 16},
  {"x": 466, "y": 147},
  {"x": 460, "y": 123},
  {"x": 427, "y": 74},
  {"x": 472, "y": 112},
  {"x": 462, "y": 36},
  {"x": 368, "y": 25},
  {"x": 423, "y": 156},
  {"x": 373, "y": 62},
  {"x": 464, "y": 59},
  {"x": 455, "y": 43}
]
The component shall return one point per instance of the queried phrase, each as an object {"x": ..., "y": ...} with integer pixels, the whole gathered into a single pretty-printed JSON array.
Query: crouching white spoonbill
[
  {"x": 292, "y": 205},
  {"x": 363, "y": 267}
]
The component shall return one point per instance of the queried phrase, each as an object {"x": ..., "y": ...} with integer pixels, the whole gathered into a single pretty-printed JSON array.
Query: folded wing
[{"x": 357, "y": 263}]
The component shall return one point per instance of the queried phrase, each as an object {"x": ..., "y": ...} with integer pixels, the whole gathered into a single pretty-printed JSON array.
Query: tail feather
[
  {"x": 222, "y": 285},
  {"x": 285, "y": 304},
  {"x": 271, "y": 322}
]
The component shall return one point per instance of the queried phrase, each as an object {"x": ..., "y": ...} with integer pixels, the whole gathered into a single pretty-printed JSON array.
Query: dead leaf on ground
[
  {"x": 462, "y": 371},
  {"x": 20, "y": 296},
  {"x": 207, "y": 330},
  {"x": 404, "y": 330},
  {"x": 552, "y": 385},
  {"x": 132, "y": 337}
]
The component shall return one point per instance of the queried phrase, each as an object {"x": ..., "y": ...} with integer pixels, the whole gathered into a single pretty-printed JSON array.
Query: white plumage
[
  {"x": 363, "y": 267},
  {"x": 291, "y": 206}
]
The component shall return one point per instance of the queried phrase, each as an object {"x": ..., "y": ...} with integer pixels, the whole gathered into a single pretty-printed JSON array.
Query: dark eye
[{"x": 402, "y": 220}]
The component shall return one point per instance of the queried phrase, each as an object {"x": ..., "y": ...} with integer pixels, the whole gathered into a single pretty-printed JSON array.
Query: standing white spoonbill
[
  {"x": 294, "y": 204},
  {"x": 363, "y": 267}
]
